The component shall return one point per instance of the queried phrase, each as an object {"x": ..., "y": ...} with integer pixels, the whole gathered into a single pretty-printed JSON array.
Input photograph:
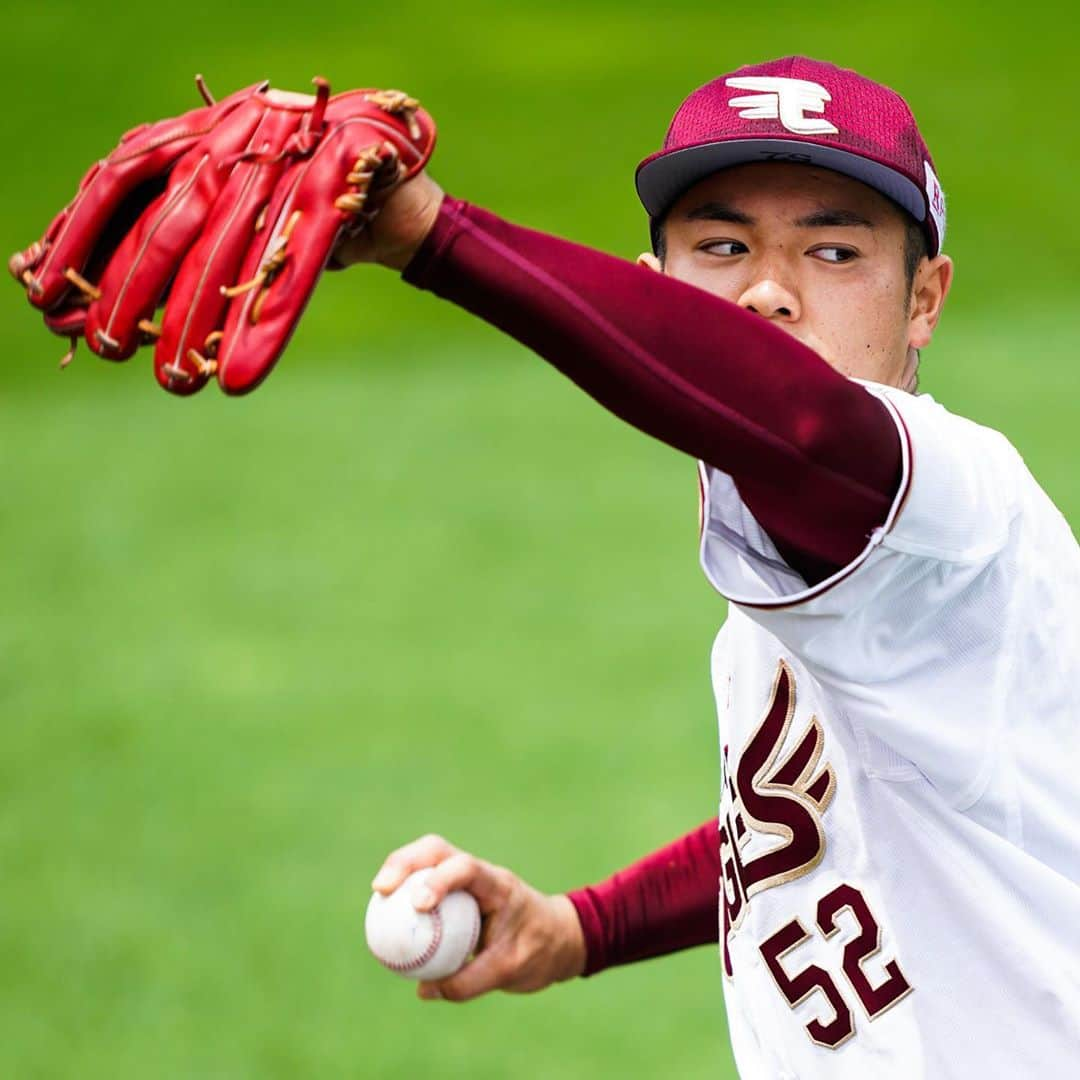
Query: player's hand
[
  {"x": 528, "y": 940},
  {"x": 402, "y": 222}
]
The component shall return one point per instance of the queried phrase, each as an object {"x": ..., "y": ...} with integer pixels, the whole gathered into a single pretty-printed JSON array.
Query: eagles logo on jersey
[{"x": 785, "y": 798}]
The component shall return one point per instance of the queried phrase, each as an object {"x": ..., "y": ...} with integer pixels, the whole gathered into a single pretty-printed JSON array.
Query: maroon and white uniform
[
  {"x": 898, "y": 679},
  {"x": 898, "y": 716},
  {"x": 898, "y": 842}
]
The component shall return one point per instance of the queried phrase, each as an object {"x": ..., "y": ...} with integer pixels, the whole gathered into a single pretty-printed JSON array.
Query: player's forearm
[
  {"x": 816, "y": 457},
  {"x": 665, "y": 902}
]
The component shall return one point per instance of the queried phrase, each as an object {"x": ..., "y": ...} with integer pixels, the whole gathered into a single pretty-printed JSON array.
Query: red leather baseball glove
[{"x": 229, "y": 213}]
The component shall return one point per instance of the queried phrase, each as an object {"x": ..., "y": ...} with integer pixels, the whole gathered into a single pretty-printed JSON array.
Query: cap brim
[{"x": 662, "y": 178}]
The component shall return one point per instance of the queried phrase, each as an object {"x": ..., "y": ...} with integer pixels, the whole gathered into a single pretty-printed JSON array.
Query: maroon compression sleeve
[
  {"x": 816, "y": 458},
  {"x": 663, "y": 903}
]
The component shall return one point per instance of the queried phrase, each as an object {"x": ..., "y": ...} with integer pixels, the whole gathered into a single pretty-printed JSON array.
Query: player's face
[{"x": 817, "y": 253}]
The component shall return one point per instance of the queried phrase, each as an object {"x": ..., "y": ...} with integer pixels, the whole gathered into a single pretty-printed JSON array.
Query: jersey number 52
[{"x": 798, "y": 987}]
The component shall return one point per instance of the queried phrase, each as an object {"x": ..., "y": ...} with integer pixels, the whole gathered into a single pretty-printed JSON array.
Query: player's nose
[{"x": 768, "y": 296}]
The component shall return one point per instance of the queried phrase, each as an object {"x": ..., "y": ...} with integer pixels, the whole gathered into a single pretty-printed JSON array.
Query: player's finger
[
  {"x": 491, "y": 970},
  {"x": 463, "y": 871},
  {"x": 426, "y": 851}
]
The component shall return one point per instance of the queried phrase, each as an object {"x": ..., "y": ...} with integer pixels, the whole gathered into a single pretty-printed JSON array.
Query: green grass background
[{"x": 417, "y": 582}]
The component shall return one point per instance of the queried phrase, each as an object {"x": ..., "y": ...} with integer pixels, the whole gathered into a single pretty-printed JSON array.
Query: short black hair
[
  {"x": 916, "y": 247},
  {"x": 657, "y": 237},
  {"x": 916, "y": 243}
]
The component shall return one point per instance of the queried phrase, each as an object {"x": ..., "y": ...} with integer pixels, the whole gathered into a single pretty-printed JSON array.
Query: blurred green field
[{"x": 417, "y": 581}]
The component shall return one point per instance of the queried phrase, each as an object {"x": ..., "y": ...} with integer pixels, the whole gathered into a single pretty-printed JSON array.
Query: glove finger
[
  {"x": 67, "y": 321},
  {"x": 148, "y": 257},
  {"x": 195, "y": 312},
  {"x": 372, "y": 138},
  {"x": 113, "y": 192}
]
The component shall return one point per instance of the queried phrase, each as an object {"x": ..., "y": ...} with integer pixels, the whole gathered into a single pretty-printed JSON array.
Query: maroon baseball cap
[{"x": 805, "y": 111}]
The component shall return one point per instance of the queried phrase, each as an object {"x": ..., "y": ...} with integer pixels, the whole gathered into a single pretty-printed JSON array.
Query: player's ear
[
  {"x": 928, "y": 292},
  {"x": 649, "y": 260}
]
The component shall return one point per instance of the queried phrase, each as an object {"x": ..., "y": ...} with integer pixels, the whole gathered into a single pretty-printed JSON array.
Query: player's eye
[
  {"x": 831, "y": 253},
  {"x": 724, "y": 247}
]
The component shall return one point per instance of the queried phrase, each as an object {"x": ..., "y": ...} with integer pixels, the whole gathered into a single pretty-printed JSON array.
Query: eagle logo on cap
[{"x": 786, "y": 100}]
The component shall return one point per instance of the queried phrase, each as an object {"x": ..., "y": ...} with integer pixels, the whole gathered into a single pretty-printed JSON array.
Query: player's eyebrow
[
  {"x": 718, "y": 211},
  {"x": 832, "y": 219}
]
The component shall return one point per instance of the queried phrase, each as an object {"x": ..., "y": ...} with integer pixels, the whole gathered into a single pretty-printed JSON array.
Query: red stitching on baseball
[
  {"x": 474, "y": 937},
  {"x": 427, "y": 954}
]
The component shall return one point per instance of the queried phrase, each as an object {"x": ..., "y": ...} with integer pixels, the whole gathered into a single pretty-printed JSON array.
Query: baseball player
[
  {"x": 896, "y": 852},
  {"x": 897, "y": 680}
]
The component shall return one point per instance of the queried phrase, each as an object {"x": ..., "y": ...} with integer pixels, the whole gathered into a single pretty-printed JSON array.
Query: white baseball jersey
[{"x": 900, "y": 822}]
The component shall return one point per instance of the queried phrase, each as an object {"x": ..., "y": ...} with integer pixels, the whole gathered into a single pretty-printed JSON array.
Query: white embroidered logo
[
  {"x": 936, "y": 198},
  {"x": 786, "y": 100}
]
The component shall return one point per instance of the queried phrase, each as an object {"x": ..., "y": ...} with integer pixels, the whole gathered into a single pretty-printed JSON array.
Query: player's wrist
[
  {"x": 416, "y": 220},
  {"x": 570, "y": 951},
  {"x": 399, "y": 228}
]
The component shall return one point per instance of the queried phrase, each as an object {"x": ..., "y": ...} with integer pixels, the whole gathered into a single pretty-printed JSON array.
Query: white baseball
[{"x": 422, "y": 944}]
